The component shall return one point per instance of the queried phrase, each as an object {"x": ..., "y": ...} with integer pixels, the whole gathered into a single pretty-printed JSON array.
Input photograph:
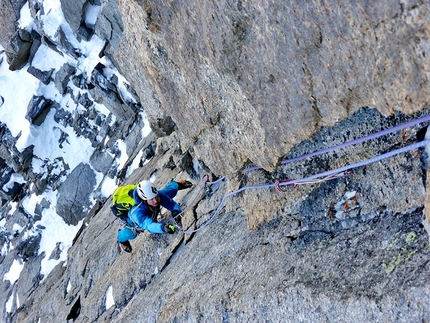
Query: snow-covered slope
[{"x": 59, "y": 143}]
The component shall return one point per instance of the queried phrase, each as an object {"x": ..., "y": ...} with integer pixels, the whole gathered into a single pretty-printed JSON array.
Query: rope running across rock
[{"x": 321, "y": 177}]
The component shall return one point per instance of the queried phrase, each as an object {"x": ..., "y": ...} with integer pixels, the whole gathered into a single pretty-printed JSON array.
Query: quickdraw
[
  {"x": 278, "y": 187},
  {"x": 278, "y": 184}
]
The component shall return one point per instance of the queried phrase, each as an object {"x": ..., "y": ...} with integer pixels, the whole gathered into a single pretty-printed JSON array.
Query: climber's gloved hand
[
  {"x": 175, "y": 213},
  {"x": 168, "y": 228}
]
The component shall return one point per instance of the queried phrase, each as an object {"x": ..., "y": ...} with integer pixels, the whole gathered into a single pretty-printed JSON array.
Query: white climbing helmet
[{"x": 146, "y": 190}]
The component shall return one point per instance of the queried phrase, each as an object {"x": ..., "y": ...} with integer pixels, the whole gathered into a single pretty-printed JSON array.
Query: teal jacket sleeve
[
  {"x": 168, "y": 202},
  {"x": 139, "y": 216}
]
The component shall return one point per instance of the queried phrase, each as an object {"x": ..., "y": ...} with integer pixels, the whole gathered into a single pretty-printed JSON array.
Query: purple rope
[
  {"x": 217, "y": 181},
  {"x": 352, "y": 142},
  {"x": 362, "y": 163},
  {"x": 324, "y": 174}
]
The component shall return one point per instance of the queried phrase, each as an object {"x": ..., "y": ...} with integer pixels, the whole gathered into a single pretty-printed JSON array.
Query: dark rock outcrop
[
  {"x": 9, "y": 37},
  {"x": 38, "y": 108},
  {"x": 74, "y": 194}
]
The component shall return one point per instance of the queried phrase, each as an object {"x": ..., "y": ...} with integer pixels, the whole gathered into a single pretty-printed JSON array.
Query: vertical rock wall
[
  {"x": 347, "y": 250},
  {"x": 248, "y": 80},
  {"x": 233, "y": 82}
]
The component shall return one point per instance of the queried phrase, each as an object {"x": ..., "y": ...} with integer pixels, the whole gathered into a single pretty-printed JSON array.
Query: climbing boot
[
  {"x": 125, "y": 246},
  {"x": 183, "y": 184}
]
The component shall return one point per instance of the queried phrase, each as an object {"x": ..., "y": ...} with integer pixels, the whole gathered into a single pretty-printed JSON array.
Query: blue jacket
[{"x": 145, "y": 216}]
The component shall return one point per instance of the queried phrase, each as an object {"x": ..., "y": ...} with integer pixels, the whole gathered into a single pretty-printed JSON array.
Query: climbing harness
[{"x": 135, "y": 228}]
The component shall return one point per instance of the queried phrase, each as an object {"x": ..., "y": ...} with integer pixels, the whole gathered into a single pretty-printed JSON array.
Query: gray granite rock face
[
  {"x": 246, "y": 81},
  {"x": 345, "y": 250},
  {"x": 224, "y": 85},
  {"x": 9, "y": 13}
]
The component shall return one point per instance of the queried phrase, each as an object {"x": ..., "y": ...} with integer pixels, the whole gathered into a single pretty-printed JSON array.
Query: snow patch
[
  {"x": 53, "y": 18},
  {"x": 123, "y": 157},
  {"x": 17, "y": 228},
  {"x": 135, "y": 164},
  {"x": 69, "y": 286},
  {"x": 26, "y": 21},
  {"x": 108, "y": 187},
  {"x": 56, "y": 60},
  {"x": 13, "y": 207},
  {"x": 153, "y": 177},
  {"x": 146, "y": 130},
  {"x": 14, "y": 272},
  {"x": 55, "y": 230},
  {"x": 109, "y": 298},
  {"x": 45, "y": 138},
  {"x": 15, "y": 178},
  {"x": 109, "y": 71},
  {"x": 91, "y": 14},
  {"x": 9, "y": 304},
  {"x": 14, "y": 108}
]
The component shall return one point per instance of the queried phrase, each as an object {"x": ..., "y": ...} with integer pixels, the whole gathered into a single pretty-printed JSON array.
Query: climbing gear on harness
[
  {"x": 146, "y": 190},
  {"x": 136, "y": 230},
  {"x": 175, "y": 214}
]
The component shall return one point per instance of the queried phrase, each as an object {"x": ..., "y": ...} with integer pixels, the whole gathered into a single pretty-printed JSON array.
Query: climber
[{"x": 148, "y": 204}]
